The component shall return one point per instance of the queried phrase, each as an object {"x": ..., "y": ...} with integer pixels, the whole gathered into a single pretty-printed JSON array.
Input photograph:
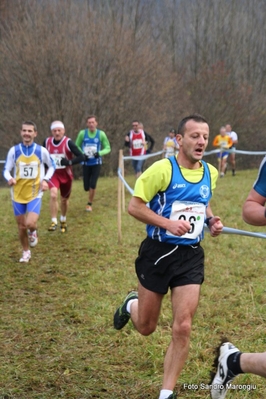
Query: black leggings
[{"x": 90, "y": 176}]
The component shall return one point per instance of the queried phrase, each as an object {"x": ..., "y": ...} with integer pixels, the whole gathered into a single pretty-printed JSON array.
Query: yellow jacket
[{"x": 222, "y": 141}]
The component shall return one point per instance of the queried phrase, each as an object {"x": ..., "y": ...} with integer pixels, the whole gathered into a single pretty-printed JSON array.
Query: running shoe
[
  {"x": 121, "y": 316},
  {"x": 33, "y": 238},
  {"x": 172, "y": 396},
  {"x": 224, "y": 375},
  {"x": 52, "y": 227},
  {"x": 26, "y": 255},
  {"x": 63, "y": 227},
  {"x": 88, "y": 208}
]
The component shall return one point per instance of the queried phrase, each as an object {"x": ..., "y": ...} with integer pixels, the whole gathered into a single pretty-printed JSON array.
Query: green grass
[{"x": 56, "y": 313}]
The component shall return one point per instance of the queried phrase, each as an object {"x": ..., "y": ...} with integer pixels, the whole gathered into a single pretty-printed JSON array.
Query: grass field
[{"x": 56, "y": 313}]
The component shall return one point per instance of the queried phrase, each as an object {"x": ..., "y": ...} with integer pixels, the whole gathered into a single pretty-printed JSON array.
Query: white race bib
[
  {"x": 90, "y": 149},
  {"x": 137, "y": 144},
  {"x": 170, "y": 151},
  {"x": 28, "y": 170},
  {"x": 193, "y": 212},
  {"x": 57, "y": 160}
]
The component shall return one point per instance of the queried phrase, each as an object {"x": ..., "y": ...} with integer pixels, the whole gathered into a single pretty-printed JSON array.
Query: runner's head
[
  {"x": 194, "y": 117},
  {"x": 172, "y": 133},
  {"x": 92, "y": 123},
  {"x": 28, "y": 132},
  {"x": 135, "y": 126},
  {"x": 222, "y": 131},
  {"x": 192, "y": 137},
  {"x": 58, "y": 130}
]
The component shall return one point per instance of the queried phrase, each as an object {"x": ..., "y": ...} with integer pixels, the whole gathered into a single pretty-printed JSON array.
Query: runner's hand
[
  {"x": 64, "y": 162},
  {"x": 215, "y": 226},
  {"x": 179, "y": 227}
]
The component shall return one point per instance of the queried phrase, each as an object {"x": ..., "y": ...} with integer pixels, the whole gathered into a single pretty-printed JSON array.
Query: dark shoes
[{"x": 121, "y": 316}]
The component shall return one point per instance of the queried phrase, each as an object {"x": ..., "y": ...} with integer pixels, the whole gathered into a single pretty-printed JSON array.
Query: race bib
[
  {"x": 223, "y": 143},
  {"x": 28, "y": 170},
  {"x": 170, "y": 151},
  {"x": 137, "y": 144},
  {"x": 90, "y": 149},
  {"x": 57, "y": 160},
  {"x": 193, "y": 212}
]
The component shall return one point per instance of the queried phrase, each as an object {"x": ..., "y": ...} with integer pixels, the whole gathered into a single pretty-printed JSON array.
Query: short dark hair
[
  {"x": 135, "y": 121},
  {"x": 31, "y": 124},
  {"x": 194, "y": 117},
  {"x": 91, "y": 116}
]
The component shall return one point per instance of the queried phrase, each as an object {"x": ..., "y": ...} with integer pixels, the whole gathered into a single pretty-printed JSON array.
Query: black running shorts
[{"x": 160, "y": 265}]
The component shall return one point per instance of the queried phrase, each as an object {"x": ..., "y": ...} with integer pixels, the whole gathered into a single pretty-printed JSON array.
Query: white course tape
[
  {"x": 235, "y": 151},
  {"x": 229, "y": 230},
  {"x": 142, "y": 157}
]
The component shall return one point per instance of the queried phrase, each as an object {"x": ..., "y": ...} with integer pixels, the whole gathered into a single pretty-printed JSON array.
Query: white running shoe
[
  {"x": 224, "y": 376},
  {"x": 33, "y": 238},
  {"x": 26, "y": 255}
]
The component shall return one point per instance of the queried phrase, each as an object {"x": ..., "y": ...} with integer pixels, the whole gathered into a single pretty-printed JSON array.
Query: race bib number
[
  {"x": 28, "y": 170},
  {"x": 193, "y": 212},
  {"x": 90, "y": 149},
  {"x": 57, "y": 160},
  {"x": 137, "y": 144},
  {"x": 223, "y": 143}
]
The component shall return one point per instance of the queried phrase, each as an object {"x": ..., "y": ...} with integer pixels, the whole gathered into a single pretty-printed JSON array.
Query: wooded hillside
[{"x": 152, "y": 60}]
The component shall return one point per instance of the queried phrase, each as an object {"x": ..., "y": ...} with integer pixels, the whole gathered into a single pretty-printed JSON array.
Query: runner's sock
[
  {"x": 129, "y": 304},
  {"x": 165, "y": 393},
  {"x": 233, "y": 363}
]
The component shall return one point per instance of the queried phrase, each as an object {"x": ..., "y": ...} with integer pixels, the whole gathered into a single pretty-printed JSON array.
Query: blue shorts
[
  {"x": 32, "y": 206},
  {"x": 223, "y": 155}
]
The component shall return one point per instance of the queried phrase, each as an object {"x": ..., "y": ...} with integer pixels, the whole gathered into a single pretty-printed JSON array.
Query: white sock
[
  {"x": 54, "y": 220},
  {"x": 129, "y": 304},
  {"x": 62, "y": 218},
  {"x": 165, "y": 393}
]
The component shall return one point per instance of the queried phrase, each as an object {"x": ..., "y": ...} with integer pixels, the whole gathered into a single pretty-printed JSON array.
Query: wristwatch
[{"x": 207, "y": 221}]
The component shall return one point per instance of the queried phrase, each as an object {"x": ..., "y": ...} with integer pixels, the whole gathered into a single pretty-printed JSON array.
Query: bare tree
[{"x": 65, "y": 61}]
